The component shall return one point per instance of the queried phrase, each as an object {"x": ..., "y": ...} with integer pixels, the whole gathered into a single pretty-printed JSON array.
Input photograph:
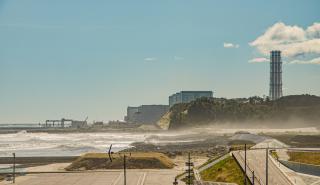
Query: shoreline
[{"x": 208, "y": 129}]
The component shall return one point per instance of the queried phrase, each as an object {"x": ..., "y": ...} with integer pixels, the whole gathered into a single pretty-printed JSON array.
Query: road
[
  {"x": 256, "y": 161},
  {"x": 115, "y": 177}
]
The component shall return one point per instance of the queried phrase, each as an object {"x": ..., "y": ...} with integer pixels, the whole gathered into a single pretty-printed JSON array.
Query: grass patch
[
  {"x": 210, "y": 160},
  {"x": 180, "y": 175},
  {"x": 136, "y": 160},
  {"x": 226, "y": 170},
  {"x": 274, "y": 154},
  {"x": 305, "y": 157}
]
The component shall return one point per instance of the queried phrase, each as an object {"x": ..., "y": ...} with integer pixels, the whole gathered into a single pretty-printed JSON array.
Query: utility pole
[
  {"x": 14, "y": 168},
  {"x": 267, "y": 159},
  {"x": 245, "y": 164},
  {"x": 124, "y": 170},
  {"x": 189, "y": 164}
]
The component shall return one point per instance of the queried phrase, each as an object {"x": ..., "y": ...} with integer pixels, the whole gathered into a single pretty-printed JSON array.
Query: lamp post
[
  {"x": 14, "y": 168},
  {"x": 267, "y": 159},
  {"x": 245, "y": 164},
  {"x": 124, "y": 170}
]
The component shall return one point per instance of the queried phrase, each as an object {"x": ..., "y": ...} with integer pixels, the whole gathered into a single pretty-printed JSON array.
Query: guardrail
[
  {"x": 302, "y": 167},
  {"x": 283, "y": 173},
  {"x": 250, "y": 170}
]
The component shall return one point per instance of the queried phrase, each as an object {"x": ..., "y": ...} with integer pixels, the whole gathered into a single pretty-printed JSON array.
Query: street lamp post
[
  {"x": 245, "y": 164},
  {"x": 267, "y": 159},
  {"x": 124, "y": 169},
  {"x": 14, "y": 168}
]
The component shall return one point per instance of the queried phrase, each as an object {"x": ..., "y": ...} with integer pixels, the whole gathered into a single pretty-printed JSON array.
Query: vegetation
[
  {"x": 226, "y": 170},
  {"x": 210, "y": 160},
  {"x": 274, "y": 155},
  {"x": 253, "y": 109},
  {"x": 305, "y": 157},
  {"x": 136, "y": 160},
  {"x": 180, "y": 175}
]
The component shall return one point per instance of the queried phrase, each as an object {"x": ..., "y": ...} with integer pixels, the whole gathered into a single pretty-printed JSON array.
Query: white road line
[
  {"x": 143, "y": 178},
  {"x": 117, "y": 179},
  {"x": 138, "y": 182}
]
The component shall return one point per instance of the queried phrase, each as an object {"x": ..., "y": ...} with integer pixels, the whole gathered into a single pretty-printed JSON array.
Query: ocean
[
  {"x": 26, "y": 144},
  {"x": 64, "y": 144}
]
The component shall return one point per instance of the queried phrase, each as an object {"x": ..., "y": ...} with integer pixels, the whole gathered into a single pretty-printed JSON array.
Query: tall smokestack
[{"x": 275, "y": 75}]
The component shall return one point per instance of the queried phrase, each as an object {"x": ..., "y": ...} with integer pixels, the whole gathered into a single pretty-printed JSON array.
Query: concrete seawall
[{"x": 302, "y": 168}]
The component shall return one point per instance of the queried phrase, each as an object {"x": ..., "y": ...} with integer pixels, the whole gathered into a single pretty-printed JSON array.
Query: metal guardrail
[
  {"x": 250, "y": 170},
  {"x": 283, "y": 173},
  {"x": 260, "y": 181}
]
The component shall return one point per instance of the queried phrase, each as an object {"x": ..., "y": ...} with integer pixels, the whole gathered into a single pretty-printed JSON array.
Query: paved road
[
  {"x": 134, "y": 177},
  {"x": 256, "y": 161}
]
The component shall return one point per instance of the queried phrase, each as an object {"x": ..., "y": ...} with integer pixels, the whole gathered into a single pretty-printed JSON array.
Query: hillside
[{"x": 294, "y": 110}]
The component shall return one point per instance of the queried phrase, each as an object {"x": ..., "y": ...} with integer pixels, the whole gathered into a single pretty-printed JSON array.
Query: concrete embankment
[{"x": 302, "y": 168}]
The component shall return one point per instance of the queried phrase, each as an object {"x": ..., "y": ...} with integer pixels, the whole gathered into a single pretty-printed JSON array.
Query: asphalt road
[
  {"x": 256, "y": 161},
  {"x": 134, "y": 177}
]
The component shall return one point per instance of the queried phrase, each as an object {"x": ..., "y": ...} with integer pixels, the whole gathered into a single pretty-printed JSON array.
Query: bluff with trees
[{"x": 255, "y": 111}]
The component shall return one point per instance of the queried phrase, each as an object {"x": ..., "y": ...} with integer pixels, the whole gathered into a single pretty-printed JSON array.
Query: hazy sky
[{"x": 74, "y": 58}]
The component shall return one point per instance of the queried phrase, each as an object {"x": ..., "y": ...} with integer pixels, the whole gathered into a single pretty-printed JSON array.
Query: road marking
[
  {"x": 143, "y": 179},
  {"x": 117, "y": 179},
  {"x": 138, "y": 182}
]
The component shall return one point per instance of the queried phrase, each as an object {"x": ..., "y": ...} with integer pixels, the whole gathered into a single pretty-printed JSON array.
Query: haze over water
[{"x": 71, "y": 144}]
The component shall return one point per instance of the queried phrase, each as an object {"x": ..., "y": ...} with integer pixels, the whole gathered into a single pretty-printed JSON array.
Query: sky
[{"x": 75, "y": 58}]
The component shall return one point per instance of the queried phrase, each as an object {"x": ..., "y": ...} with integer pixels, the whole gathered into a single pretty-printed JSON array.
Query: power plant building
[
  {"x": 275, "y": 91},
  {"x": 188, "y": 96},
  {"x": 146, "y": 114}
]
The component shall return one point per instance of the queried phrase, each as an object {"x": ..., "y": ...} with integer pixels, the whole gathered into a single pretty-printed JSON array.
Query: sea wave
[{"x": 24, "y": 143}]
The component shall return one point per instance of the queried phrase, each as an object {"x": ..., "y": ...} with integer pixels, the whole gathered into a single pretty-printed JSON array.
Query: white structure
[{"x": 275, "y": 75}]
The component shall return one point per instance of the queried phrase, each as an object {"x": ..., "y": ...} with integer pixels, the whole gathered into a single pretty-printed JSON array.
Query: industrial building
[
  {"x": 188, "y": 96},
  {"x": 146, "y": 114},
  {"x": 275, "y": 91},
  {"x": 62, "y": 123}
]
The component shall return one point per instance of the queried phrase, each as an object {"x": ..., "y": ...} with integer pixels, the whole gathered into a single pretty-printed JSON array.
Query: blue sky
[{"x": 79, "y": 58}]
